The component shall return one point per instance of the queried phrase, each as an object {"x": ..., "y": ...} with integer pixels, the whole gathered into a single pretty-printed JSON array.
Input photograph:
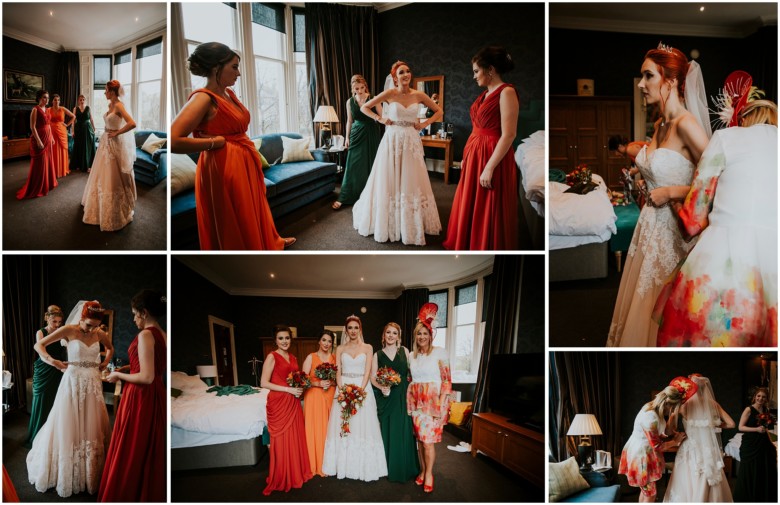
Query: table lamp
[
  {"x": 326, "y": 115},
  {"x": 583, "y": 426},
  {"x": 207, "y": 373}
]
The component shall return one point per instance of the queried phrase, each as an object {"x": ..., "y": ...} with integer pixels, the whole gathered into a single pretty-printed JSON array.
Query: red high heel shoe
[
  {"x": 427, "y": 488},
  {"x": 418, "y": 481}
]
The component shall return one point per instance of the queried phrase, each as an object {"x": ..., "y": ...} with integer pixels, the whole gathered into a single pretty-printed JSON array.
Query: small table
[
  {"x": 329, "y": 156},
  {"x": 440, "y": 143}
]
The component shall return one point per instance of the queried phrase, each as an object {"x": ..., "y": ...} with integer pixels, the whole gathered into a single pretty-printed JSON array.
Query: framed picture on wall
[
  {"x": 337, "y": 330},
  {"x": 21, "y": 86}
]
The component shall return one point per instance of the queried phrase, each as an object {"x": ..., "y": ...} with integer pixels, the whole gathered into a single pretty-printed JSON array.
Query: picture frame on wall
[
  {"x": 21, "y": 87},
  {"x": 337, "y": 330}
]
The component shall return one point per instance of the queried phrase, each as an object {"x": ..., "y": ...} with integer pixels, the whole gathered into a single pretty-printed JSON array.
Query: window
[
  {"x": 101, "y": 69},
  {"x": 269, "y": 47},
  {"x": 465, "y": 323},
  {"x": 123, "y": 72},
  {"x": 209, "y": 22},
  {"x": 440, "y": 299},
  {"x": 149, "y": 62}
]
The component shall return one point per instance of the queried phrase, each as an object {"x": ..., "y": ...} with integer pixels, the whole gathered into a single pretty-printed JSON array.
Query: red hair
[
  {"x": 92, "y": 310},
  {"x": 356, "y": 319},
  {"x": 671, "y": 64},
  {"x": 394, "y": 70},
  {"x": 113, "y": 86}
]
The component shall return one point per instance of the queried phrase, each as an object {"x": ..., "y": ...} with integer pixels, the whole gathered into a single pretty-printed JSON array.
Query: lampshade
[
  {"x": 206, "y": 371},
  {"x": 584, "y": 424},
  {"x": 326, "y": 114}
]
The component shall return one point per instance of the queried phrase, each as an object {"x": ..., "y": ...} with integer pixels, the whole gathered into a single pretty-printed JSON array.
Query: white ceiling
[
  {"x": 82, "y": 26},
  {"x": 730, "y": 20},
  {"x": 383, "y": 276}
]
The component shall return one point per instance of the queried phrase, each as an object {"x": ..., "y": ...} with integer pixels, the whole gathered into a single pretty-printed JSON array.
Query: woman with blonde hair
[
  {"x": 757, "y": 477},
  {"x": 363, "y": 136},
  {"x": 394, "y": 420},
  {"x": 46, "y": 379}
]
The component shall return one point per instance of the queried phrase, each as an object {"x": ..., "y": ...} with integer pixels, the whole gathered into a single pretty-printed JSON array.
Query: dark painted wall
[
  {"x": 532, "y": 297},
  {"x": 441, "y": 38},
  {"x": 113, "y": 281},
  {"x": 613, "y": 60},
  {"x": 731, "y": 375}
]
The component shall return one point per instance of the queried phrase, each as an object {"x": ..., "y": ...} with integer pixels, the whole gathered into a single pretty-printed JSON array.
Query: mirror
[{"x": 431, "y": 85}]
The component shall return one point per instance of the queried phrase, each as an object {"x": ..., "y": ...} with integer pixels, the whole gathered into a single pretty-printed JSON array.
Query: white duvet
[
  {"x": 221, "y": 415},
  {"x": 590, "y": 214},
  {"x": 530, "y": 158}
]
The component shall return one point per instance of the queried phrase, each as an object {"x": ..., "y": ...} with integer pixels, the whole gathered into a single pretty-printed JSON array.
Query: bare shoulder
[{"x": 368, "y": 349}]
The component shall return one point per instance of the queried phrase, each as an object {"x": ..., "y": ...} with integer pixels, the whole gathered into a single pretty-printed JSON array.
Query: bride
[
  {"x": 698, "y": 475},
  {"x": 69, "y": 451},
  {"x": 397, "y": 202},
  {"x": 358, "y": 454},
  {"x": 109, "y": 196}
]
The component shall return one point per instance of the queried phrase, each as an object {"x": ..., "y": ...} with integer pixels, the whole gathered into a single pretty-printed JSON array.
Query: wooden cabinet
[
  {"x": 579, "y": 132},
  {"x": 300, "y": 347},
  {"x": 15, "y": 148},
  {"x": 519, "y": 449}
]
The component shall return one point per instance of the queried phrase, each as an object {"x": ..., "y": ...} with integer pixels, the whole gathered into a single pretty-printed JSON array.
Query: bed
[
  {"x": 530, "y": 159},
  {"x": 580, "y": 228},
  {"x": 210, "y": 431}
]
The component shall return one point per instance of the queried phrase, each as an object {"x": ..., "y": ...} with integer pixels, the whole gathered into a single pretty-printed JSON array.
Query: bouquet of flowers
[
  {"x": 387, "y": 377},
  {"x": 298, "y": 379},
  {"x": 326, "y": 372},
  {"x": 350, "y": 399},
  {"x": 581, "y": 180},
  {"x": 767, "y": 420}
]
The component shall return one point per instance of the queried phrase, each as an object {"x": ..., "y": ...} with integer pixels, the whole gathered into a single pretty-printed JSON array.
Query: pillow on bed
[
  {"x": 571, "y": 214},
  {"x": 187, "y": 383}
]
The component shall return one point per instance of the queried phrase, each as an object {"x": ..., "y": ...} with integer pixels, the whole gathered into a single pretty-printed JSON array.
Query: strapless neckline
[
  {"x": 87, "y": 345},
  {"x": 650, "y": 154}
]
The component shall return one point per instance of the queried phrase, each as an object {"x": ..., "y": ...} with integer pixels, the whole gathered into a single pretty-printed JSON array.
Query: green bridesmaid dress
[
  {"x": 395, "y": 423},
  {"x": 83, "y": 152},
  {"x": 364, "y": 137},
  {"x": 46, "y": 381}
]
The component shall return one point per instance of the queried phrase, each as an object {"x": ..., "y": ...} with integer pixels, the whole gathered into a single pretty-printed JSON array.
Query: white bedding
[
  {"x": 566, "y": 241},
  {"x": 581, "y": 215},
  {"x": 530, "y": 159}
]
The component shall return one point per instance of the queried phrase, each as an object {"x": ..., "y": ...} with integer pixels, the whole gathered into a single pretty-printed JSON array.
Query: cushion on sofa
[
  {"x": 296, "y": 150},
  {"x": 153, "y": 143},
  {"x": 258, "y": 144},
  {"x": 565, "y": 479},
  {"x": 145, "y": 160},
  {"x": 182, "y": 173}
]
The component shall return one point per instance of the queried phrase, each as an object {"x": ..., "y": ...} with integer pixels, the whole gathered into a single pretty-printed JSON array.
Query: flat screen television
[{"x": 516, "y": 388}]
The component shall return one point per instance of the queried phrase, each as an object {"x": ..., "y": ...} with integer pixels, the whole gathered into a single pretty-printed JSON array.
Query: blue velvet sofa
[
  {"x": 289, "y": 186},
  {"x": 600, "y": 490},
  {"x": 150, "y": 168}
]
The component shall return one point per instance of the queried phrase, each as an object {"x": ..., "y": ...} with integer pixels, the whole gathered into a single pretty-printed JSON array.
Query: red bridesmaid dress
[
  {"x": 42, "y": 176},
  {"x": 60, "y": 149},
  {"x": 135, "y": 469},
  {"x": 485, "y": 219},
  {"x": 290, "y": 466},
  {"x": 233, "y": 212}
]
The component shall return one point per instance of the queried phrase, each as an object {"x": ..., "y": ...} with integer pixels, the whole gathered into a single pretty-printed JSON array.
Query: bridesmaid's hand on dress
[
  {"x": 219, "y": 142},
  {"x": 59, "y": 365},
  {"x": 296, "y": 392},
  {"x": 486, "y": 179}
]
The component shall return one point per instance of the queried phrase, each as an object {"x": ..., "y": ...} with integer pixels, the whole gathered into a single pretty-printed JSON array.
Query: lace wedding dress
[
  {"x": 397, "y": 202},
  {"x": 656, "y": 249},
  {"x": 361, "y": 454},
  {"x": 109, "y": 196},
  {"x": 69, "y": 451}
]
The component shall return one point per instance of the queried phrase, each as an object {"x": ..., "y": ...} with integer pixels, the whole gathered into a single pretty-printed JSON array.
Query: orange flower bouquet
[
  {"x": 350, "y": 400},
  {"x": 326, "y": 372},
  {"x": 387, "y": 377},
  {"x": 298, "y": 379}
]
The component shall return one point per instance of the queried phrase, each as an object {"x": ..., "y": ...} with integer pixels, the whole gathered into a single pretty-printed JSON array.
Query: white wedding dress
[
  {"x": 70, "y": 450},
  {"x": 361, "y": 454},
  {"x": 110, "y": 194},
  {"x": 397, "y": 202}
]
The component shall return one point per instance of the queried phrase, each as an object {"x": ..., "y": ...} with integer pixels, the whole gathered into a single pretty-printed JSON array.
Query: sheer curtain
[{"x": 341, "y": 40}]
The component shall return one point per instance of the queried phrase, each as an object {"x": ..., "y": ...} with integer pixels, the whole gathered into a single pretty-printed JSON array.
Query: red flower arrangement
[
  {"x": 350, "y": 399},
  {"x": 766, "y": 420},
  {"x": 581, "y": 173},
  {"x": 298, "y": 379},
  {"x": 387, "y": 377},
  {"x": 326, "y": 372}
]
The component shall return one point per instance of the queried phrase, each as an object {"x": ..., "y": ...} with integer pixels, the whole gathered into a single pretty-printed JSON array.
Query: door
[{"x": 223, "y": 351}]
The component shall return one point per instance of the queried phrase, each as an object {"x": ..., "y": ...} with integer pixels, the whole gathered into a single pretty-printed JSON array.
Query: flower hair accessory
[
  {"x": 427, "y": 315},
  {"x": 737, "y": 91},
  {"x": 685, "y": 386}
]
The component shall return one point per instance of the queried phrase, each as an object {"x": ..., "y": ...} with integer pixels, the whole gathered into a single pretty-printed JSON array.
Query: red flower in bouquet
[
  {"x": 298, "y": 379},
  {"x": 350, "y": 400},
  {"x": 326, "y": 372},
  {"x": 387, "y": 377},
  {"x": 581, "y": 173}
]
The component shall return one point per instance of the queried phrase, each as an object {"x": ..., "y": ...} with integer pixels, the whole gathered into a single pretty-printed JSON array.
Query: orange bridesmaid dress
[
  {"x": 316, "y": 411},
  {"x": 60, "y": 148},
  {"x": 233, "y": 212},
  {"x": 289, "y": 465}
]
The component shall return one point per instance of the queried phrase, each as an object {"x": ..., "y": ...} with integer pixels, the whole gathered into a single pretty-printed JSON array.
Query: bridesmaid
[
  {"x": 135, "y": 469},
  {"x": 317, "y": 401},
  {"x": 46, "y": 379},
  {"x": 42, "y": 176},
  {"x": 757, "y": 474},
  {"x": 428, "y": 396},
  {"x": 363, "y": 137},
  {"x": 59, "y": 130},
  {"x": 484, "y": 212},
  {"x": 233, "y": 212},
  {"x": 289, "y": 467},
  {"x": 395, "y": 422},
  {"x": 83, "y": 137}
]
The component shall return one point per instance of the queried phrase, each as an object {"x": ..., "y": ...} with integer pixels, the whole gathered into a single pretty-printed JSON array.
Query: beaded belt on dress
[
  {"x": 402, "y": 123},
  {"x": 84, "y": 364},
  {"x": 352, "y": 375}
]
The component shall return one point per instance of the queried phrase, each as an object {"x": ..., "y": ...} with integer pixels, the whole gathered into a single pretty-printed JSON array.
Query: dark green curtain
[
  {"x": 68, "y": 80},
  {"x": 25, "y": 298},
  {"x": 411, "y": 301},
  {"x": 341, "y": 40},
  {"x": 585, "y": 383}
]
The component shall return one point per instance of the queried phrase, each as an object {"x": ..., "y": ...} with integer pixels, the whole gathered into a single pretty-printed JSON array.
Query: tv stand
[{"x": 517, "y": 448}]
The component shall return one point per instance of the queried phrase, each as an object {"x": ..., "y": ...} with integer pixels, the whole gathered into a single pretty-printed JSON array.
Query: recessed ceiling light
[
  {"x": 362, "y": 279},
  {"x": 51, "y": 13},
  {"x": 136, "y": 20},
  {"x": 273, "y": 276},
  {"x": 701, "y": 9}
]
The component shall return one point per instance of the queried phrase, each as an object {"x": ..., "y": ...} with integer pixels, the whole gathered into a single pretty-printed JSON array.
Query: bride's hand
[
  {"x": 418, "y": 126},
  {"x": 659, "y": 197},
  {"x": 386, "y": 121},
  {"x": 103, "y": 366},
  {"x": 60, "y": 365},
  {"x": 112, "y": 134}
]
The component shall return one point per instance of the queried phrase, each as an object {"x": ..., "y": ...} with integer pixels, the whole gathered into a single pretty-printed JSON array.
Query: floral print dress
[
  {"x": 430, "y": 379},
  {"x": 641, "y": 462}
]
